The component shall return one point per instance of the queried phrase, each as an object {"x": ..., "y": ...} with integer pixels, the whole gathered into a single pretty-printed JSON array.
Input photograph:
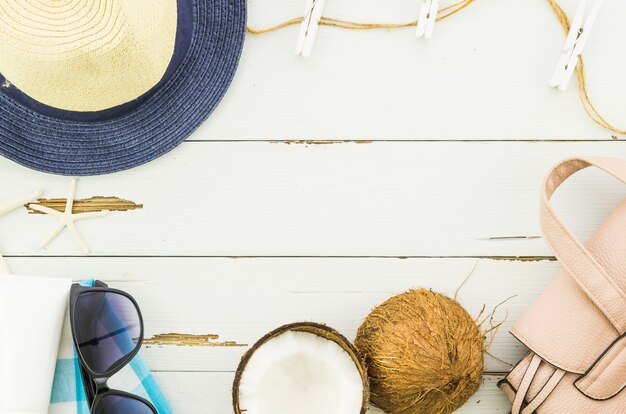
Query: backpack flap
[
  {"x": 565, "y": 326},
  {"x": 607, "y": 377}
]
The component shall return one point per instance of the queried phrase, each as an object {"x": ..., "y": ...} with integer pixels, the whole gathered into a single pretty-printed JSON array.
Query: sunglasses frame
[{"x": 95, "y": 383}]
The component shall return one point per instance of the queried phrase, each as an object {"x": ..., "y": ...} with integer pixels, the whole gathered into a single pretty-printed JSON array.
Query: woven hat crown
[{"x": 86, "y": 55}]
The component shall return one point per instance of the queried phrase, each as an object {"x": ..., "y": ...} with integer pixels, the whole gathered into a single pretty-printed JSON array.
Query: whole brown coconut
[{"x": 424, "y": 354}]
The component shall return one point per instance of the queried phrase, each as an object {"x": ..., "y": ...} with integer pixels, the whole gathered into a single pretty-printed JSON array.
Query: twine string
[
  {"x": 588, "y": 105},
  {"x": 451, "y": 10},
  {"x": 350, "y": 25}
]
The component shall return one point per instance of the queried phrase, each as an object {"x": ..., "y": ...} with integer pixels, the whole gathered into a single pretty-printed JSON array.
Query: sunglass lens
[
  {"x": 107, "y": 327},
  {"x": 117, "y": 404}
]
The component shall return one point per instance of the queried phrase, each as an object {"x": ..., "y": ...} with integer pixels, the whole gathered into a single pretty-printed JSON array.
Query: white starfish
[
  {"x": 12, "y": 204},
  {"x": 67, "y": 219}
]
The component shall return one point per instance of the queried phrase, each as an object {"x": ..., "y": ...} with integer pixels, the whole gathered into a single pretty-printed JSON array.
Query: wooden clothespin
[
  {"x": 308, "y": 29},
  {"x": 427, "y": 18},
  {"x": 574, "y": 45}
]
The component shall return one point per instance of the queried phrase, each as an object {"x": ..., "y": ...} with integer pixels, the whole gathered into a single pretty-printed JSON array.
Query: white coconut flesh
[{"x": 300, "y": 372}]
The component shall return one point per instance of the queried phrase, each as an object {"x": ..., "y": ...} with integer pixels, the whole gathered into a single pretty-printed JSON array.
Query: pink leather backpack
[{"x": 576, "y": 330}]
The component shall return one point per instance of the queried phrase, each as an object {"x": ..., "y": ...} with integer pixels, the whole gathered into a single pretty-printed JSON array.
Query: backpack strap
[
  {"x": 520, "y": 406},
  {"x": 597, "y": 282},
  {"x": 529, "y": 376},
  {"x": 545, "y": 392}
]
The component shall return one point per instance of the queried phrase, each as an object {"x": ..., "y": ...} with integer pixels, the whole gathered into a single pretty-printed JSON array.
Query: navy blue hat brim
[{"x": 166, "y": 118}]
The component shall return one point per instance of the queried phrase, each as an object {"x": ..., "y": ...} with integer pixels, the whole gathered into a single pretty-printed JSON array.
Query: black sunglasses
[{"x": 107, "y": 328}]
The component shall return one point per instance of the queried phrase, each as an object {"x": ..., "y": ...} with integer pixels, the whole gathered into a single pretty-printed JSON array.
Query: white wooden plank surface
[
  {"x": 484, "y": 75},
  {"x": 379, "y": 199},
  {"x": 357, "y": 210},
  {"x": 209, "y": 393},
  {"x": 241, "y": 299}
]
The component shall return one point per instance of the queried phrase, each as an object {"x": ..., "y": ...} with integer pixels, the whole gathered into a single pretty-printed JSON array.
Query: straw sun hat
[{"x": 95, "y": 86}]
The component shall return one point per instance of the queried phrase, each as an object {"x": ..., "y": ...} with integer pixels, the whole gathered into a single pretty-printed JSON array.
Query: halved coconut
[{"x": 303, "y": 368}]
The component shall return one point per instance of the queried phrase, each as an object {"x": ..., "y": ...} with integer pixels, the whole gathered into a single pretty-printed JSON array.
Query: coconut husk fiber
[{"x": 424, "y": 354}]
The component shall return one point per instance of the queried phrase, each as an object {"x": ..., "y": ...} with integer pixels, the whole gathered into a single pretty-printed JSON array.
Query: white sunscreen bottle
[{"x": 32, "y": 310}]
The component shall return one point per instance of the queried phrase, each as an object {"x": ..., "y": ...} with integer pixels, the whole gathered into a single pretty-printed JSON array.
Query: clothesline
[
  {"x": 449, "y": 11},
  {"x": 345, "y": 24}
]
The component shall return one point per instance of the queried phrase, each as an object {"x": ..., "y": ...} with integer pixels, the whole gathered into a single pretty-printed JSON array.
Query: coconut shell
[
  {"x": 424, "y": 354},
  {"x": 312, "y": 328}
]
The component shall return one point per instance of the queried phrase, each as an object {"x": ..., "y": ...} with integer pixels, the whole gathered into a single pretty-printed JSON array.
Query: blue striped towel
[{"x": 68, "y": 393}]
